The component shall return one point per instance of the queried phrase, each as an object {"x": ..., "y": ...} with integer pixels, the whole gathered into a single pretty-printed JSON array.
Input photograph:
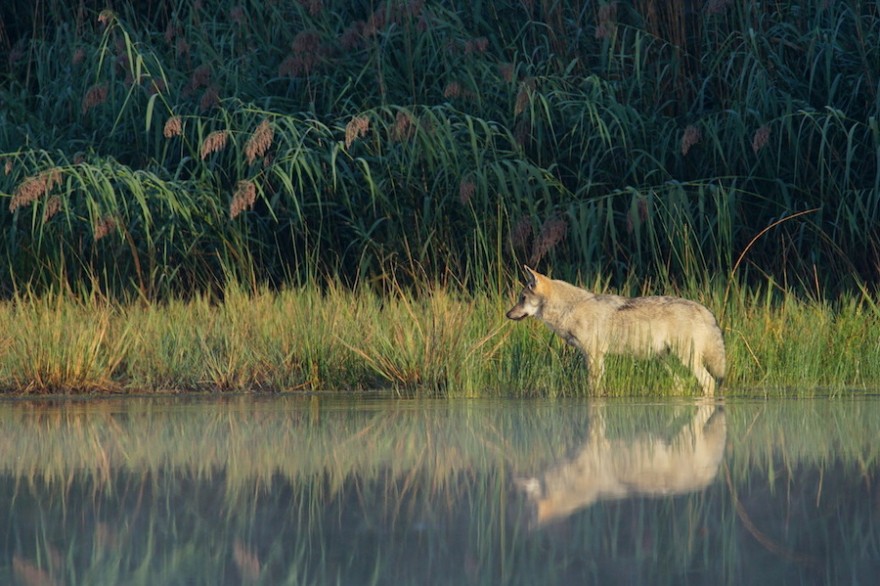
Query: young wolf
[{"x": 640, "y": 326}]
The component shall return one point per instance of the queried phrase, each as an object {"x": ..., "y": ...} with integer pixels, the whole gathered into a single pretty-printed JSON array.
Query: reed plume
[
  {"x": 243, "y": 199},
  {"x": 692, "y": 136},
  {"x": 259, "y": 142},
  {"x": 173, "y": 127},
  {"x": 105, "y": 226},
  {"x": 95, "y": 96},
  {"x": 552, "y": 233},
  {"x": 761, "y": 138},
  {"x": 214, "y": 142},
  {"x": 356, "y": 128},
  {"x": 33, "y": 188}
]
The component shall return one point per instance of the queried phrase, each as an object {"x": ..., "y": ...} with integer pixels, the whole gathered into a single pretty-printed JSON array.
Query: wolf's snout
[{"x": 516, "y": 313}]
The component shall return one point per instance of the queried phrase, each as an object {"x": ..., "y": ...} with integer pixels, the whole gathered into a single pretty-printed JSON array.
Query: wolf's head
[{"x": 532, "y": 298}]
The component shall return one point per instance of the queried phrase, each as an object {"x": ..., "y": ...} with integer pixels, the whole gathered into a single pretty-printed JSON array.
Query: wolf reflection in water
[{"x": 604, "y": 469}]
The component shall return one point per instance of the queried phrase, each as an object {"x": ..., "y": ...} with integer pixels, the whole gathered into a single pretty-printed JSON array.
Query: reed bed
[{"x": 160, "y": 148}]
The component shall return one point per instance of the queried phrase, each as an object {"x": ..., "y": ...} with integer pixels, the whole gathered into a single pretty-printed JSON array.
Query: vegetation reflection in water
[{"x": 325, "y": 490}]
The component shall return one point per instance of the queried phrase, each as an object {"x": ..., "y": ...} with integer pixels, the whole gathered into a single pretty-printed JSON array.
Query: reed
[{"x": 409, "y": 141}]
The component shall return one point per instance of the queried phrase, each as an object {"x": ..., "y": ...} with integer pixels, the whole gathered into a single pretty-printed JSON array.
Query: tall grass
[
  {"x": 441, "y": 343},
  {"x": 428, "y": 141}
]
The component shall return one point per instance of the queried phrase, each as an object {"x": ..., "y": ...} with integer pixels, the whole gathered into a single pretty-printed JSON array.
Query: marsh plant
[{"x": 158, "y": 148}]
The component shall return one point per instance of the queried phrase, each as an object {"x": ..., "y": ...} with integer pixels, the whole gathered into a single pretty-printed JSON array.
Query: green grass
[{"x": 440, "y": 342}]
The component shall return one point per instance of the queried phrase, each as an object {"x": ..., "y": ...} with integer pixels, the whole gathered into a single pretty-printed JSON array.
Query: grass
[{"x": 440, "y": 342}]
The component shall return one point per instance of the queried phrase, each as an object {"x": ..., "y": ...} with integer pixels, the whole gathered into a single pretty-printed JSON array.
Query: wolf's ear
[{"x": 532, "y": 276}]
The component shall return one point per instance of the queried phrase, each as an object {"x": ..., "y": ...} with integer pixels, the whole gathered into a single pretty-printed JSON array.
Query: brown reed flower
[
  {"x": 314, "y": 7},
  {"x": 95, "y": 96},
  {"x": 173, "y": 127},
  {"x": 356, "y": 128},
  {"x": 466, "y": 190},
  {"x": 353, "y": 36},
  {"x": 692, "y": 136},
  {"x": 259, "y": 142},
  {"x": 157, "y": 86},
  {"x": 761, "y": 138},
  {"x": 404, "y": 127},
  {"x": 524, "y": 96},
  {"x": 201, "y": 77},
  {"x": 210, "y": 99},
  {"x": 237, "y": 15},
  {"x": 452, "y": 90},
  {"x": 7, "y": 167},
  {"x": 34, "y": 187},
  {"x": 307, "y": 52},
  {"x": 181, "y": 48},
  {"x": 522, "y": 232},
  {"x": 78, "y": 56},
  {"x": 53, "y": 206},
  {"x": 506, "y": 71},
  {"x": 243, "y": 199},
  {"x": 607, "y": 20},
  {"x": 214, "y": 143},
  {"x": 552, "y": 233},
  {"x": 107, "y": 224},
  {"x": 716, "y": 6},
  {"x": 478, "y": 45}
]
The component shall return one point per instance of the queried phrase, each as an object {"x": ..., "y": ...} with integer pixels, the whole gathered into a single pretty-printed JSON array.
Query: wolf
[
  {"x": 604, "y": 469},
  {"x": 639, "y": 326}
]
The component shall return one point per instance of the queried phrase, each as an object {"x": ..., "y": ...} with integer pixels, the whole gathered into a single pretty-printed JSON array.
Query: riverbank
[{"x": 442, "y": 342}]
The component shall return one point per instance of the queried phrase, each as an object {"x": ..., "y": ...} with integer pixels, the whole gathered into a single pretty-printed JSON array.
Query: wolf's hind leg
[
  {"x": 596, "y": 366},
  {"x": 706, "y": 380}
]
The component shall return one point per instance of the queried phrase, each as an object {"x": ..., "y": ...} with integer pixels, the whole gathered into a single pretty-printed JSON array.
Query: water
[{"x": 299, "y": 490}]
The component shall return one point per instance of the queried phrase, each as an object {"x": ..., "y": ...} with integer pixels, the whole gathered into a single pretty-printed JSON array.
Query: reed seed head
[
  {"x": 522, "y": 232},
  {"x": 53, "y": 206},
  {"x": 259, "y": 142},
  {"x": 210, "y": 99},
  {"x": 692, "y": 136},
  {"x": 314, "y": 7},
  {"x": 105, "y": 226},
  {"x": 173, "y": 127},
  {"x": 404, "y": 127},
  {"x": 524, "y": 96},
  {"x": 761, "y": 138},
  {"x": 607, "y": 21},
  {"x": 214, "y": 143},
  {"x": 356, "y": 128},
  {"x": 552, "y": 233},
  {"x": 243, "y": 198},
  {"x": 33, "y": 188},
  {"x": 452, "y": 90},
  {"x": 95, "y": 96},
  {"x": 466, "y": 190}
]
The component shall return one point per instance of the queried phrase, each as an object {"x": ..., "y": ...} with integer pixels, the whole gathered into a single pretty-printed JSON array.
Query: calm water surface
[{"x": 300, "y": 490}]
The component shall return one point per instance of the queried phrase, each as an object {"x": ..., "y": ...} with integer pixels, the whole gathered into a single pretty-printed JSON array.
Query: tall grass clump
[{"x": 152, "y": 149}]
